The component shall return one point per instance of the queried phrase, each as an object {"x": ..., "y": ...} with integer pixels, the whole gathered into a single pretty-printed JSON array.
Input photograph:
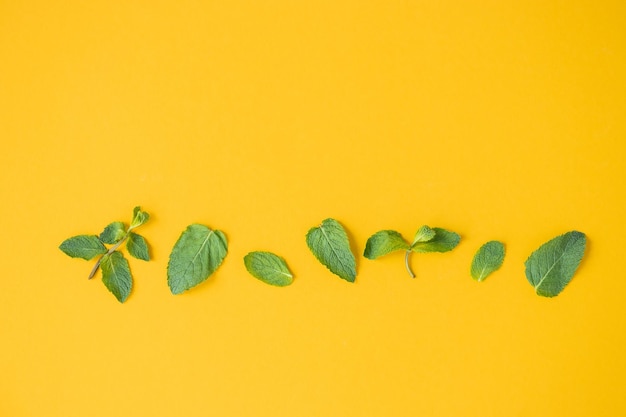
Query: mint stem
[
  {"x": 406, "y": 262},
  {"x": 111, "y": 250}
]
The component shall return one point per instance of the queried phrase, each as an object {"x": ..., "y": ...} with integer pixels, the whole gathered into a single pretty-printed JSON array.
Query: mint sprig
[
  {"x": 116, "y": 274},
  {"x": 426, "y": 239}
]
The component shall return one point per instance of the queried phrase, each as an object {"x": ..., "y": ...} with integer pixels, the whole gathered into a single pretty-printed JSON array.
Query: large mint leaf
[
  {"x": 551, "y": 267},
  {"x": 443, "y": 241},
  {"x": 116, "y": 275},
  {"x": 113, "y": 233},
  {"x": 329, "y": 243},
  {"x": 269, "y": 268},
  {"x": 487, "y": 259},
  {"x": 196, "y": 255},
  {"x": 384, "y": 242},
  {"x": 83, "y": 246}
]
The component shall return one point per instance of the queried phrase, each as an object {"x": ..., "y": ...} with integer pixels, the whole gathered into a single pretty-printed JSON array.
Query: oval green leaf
[
  {"x": 330, "y": 245},
  {"x": 196, "y": 255},
  {"x": 384, "y": 242},
  {"x": 116, "y": 275},
  {"x": 83, "y": 246},
  {"x": 269, "y": 268},
  {"x": 113, "y": 233},
  {"x": 137, "y": 246},
  {"x": 424, "y": 234},
  {"x": 488, "y": 259},
  {"x": 139, "y": 218},
  {"x": 443, "y": 241},
  {"x": 551, "y": 267}
]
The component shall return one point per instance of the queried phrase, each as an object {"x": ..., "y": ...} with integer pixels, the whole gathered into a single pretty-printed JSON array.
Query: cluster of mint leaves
[
  {"x": 116, "y": 274},
  {"x": 200, "y": 250}
]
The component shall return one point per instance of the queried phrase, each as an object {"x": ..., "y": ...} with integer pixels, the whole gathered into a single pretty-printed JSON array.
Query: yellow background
[{"x": 498, "y": 120}]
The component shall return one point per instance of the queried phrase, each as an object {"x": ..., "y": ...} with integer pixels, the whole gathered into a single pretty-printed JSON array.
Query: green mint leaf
[
  {"x": 424, "y": 234},
  {"x": 443, "y": 241},
  {"x": 113, "y": 233},
  {"x": 384, "y": 242},
  {"x": 269, "y": 268},
  {"x": 487, "y": 259},
  {"x": 83, "y": 246},
  {"x": 196, "y": 255},
  {"x": 551, "y": 267},
  {"x": 137, "y": 246},
  {"x": 330, "y": 245},
  {"x": 139, "y": 218},
  {"x": 116, "y": 275}
]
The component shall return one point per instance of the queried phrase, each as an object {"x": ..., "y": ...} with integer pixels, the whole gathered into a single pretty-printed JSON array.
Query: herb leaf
[
  {"x": 137, "y": 246},
  {"x": 83, "y": 246},
  {"x": 269, "y": 268},
  {"x": 551, "y": 267},
  {"x": 116, "y": 275},
  {"x": 196, "y": 255},
  {"x": 139, "y": 218},
  {"x": 330, "y": 245},
  {"x": 113, "y": 233},
  {"x": 384, "y": 242},
  {"x": 443, "y": 241},
  {"x": 424, "y": 234},
  {"x": 487, "y": 259}
]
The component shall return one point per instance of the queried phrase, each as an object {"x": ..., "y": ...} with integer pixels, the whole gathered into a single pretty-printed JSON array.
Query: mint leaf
[
  {"x": 196, "y": 255},
  {"x": 115, "y": 270},
  {"x": 551, "y": 267},
  {"x": 113, "y": 233},
  {"x": 443, "y": 241},
  {"x": 269, "y": 268},
  {"x": 116, "y": 275},
  {"x": 137, "y": 246},
  {"x": 83, "y": 246},
  {"x": 330, "y": 245},
  {"x": 139, "y": 218},
  {"x": 487, "y": 259},
  {"x": 384, "y": 242},
  {"x": 426, "y": 240},
  {"x": 424, "y": 234}
]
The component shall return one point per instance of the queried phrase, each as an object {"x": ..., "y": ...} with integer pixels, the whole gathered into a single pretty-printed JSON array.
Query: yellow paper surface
[{"x": 498, "y": 120}]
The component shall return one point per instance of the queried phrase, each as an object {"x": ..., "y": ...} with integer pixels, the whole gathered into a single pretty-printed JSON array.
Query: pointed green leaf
[
  {"x": 329, "y": 243},
  {"x": 137, "y": 246},
  {"x": 551, "y": 267},
  {"x": 116, "y": 275},
  {"x": 196, "y": 255},
  {"x": 384, "y": 242},
  {"x": 113, "y": 233},
  {"x": 443, "y": 241},
  {"x": 83, "y": 246},
  {"x": 139, "y": 218},
  {"x": 424, "y": 234},
  {"x": 488, "y": 259},
  {"x": 269, "y": 268}
]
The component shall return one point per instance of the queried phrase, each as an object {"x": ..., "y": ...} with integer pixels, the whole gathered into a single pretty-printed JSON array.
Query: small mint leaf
[
  {"x": 116, "y": 275},
  {"x": 330, "y": 245},
  {"x": 269, "y": 268},
  {"x": 384, "y": 242},
  {"x": 137, "y": 246},
  {"x": 83, "y": 246},
  {"x": 488, "y": 259},
  {"x": 551, "y": 267},
  {"x": 139, "y": 218},
  {"x": 424, "y": 234},
  {"x": 443, "y": 241},
  {"x": 198, "y": 252},
  {"x": 113, "y": 233}
]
